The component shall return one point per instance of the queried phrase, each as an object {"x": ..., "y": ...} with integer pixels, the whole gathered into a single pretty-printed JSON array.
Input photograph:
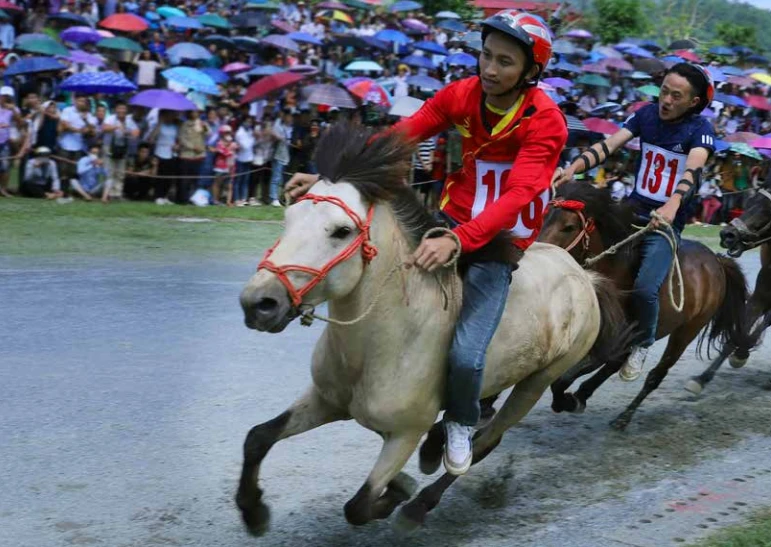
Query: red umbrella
[
  {"x": 634, "y": 107},
  {"x": 688, "y": 55},
  {"x": 758, "y": 101},
  {"x": 763, "y": 142},
  {"x": 598, "y": 125},
  {"x": 742, "y": 136},
  {"x": 125, "y": 22},
  {"x": 5, "y": 5},
  {"x": 269, "y": 84}
]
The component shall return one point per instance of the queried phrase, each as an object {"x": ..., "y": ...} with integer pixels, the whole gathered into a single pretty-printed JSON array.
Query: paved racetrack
[{"x": 128, "y": 387}]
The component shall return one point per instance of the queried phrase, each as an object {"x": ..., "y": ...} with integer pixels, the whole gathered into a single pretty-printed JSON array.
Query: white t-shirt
[
  {"x": 164, "y": 144},
  {"x": 146, "y": 72},
  {"x": 73, "y": 142},
  {"x": 246, "y": 141}
]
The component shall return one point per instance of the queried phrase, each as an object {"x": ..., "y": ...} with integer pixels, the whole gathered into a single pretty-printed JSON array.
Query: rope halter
[
  {"x": 587, "y": 225},
  {"x": 368, "y": 251}
]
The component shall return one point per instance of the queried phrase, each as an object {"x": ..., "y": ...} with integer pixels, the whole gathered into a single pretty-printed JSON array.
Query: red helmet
[
  {"x": 527, "y": 29},
  {"x": 709, "y": 93}
]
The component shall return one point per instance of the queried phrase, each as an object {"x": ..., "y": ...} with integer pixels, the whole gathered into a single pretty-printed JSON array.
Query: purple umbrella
[
  {"x": 280, "y": 41},
  {"x": 90, "y": 59},
  {"x": 163, "y": 99},
  {"x": 414, "y": 24},
  {"x": 579, "y": 33},
  {"x": 305, "y": 69},
  {"x": 594, "y": 69},
  {"x": 331, "y": 95},
  {"x": 418, "y": 61},
  {"x": 618, "y": 64},
  {"x": 283, "y": 26},
  {"x": 561, "y": 83},
  {"x": 80, "y": 35}
]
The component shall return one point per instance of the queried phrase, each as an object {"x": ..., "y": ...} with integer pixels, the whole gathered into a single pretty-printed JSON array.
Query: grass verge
[{"x": 756, "y": 532}]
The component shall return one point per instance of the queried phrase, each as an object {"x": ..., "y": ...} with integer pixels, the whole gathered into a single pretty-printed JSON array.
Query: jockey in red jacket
[{"x": 513, "y": 134}]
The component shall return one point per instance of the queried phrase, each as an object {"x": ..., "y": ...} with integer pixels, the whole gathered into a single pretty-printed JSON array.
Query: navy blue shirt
[{"x": 664, "y": 148}]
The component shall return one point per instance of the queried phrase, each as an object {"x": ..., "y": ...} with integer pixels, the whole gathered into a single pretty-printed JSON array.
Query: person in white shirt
[
  {"x": 75, "y": 123},
  {"x": 401, "y": 88},
  {"x": 246, "y": 140},
  {"x": 118, "y": 130}
]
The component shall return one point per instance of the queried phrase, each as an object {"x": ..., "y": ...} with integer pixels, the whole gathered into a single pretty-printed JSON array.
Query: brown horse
[{"x": 586, "y": 221}]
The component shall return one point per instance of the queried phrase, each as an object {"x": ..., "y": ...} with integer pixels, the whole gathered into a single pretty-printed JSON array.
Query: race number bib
[
  {"x": 659, "y": 172},
  {"x": 490, "y": 177}
]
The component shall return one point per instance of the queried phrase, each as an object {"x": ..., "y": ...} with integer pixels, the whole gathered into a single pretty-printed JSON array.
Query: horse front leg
[
  {"x": 308, "y": 412},
  {"x": 372, "y": 501}
]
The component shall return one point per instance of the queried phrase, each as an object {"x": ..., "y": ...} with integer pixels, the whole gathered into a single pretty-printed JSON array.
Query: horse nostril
[{"x": 266, "y": 305}]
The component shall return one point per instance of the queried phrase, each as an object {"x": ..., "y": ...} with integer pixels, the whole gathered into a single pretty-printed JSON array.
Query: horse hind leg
[
  {"x": 308, "y": 412},
  {"x": 697, "y": 383},
  {"x": 563, "y": 400},
  {"x": 588, "y": 387}
]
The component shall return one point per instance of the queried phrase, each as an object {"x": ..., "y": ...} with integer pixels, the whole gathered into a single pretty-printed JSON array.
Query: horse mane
[
  {"x": 613, "y": 220},
  {"x": 377, "y": 165}
]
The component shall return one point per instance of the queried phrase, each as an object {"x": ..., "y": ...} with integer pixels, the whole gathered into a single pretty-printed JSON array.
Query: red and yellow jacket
[{"x": 506, "y": 174}]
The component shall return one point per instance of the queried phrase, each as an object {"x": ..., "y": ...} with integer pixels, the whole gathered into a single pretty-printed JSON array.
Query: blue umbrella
[
  {"x": 425, "y": 82},
  {"x": 636, "y": 51},
  {"x": 191, "y": 78},
  {"x": 184, "y": 23},
  {"x": 451, "y": 25},
  {"x": 447, "y": 15},
  {"x": 672, "y": 59},
  {"x": 405, "y": 5},
  {"x": 743, "y": 50},
  {"x": 757, "y": 59},
  {"x": 363, "y": 66},
  {"x": 304, "y": 37},
  {"x": 219, "y": 76},
  {"x": 721, "y": 145},
  {"x": 97, "y": 82},
  {"x": 80, "y": 35},
  {"x": 717, "y": 74},
  {"x": 461, "y": 59},
  {"x": 418, "y": 61},
  {"x": 375, "y": 43},
  {"x": 390, "y": 35},
  {"x": 30, "y": 65},
  {"x": 565, "y": 66},
  {"x": 731, "y": 100},
  {"x": 649, "y": 45},
  {"x": 188, "y": 50},
  {"x": 152, "y": 16},
  {"x": 721, "y": 50},
  {"x": 732, "y": 70},
  {"x": 431, "y": 47}
]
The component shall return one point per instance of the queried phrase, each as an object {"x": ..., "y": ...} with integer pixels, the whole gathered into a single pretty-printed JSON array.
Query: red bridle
[
  {"x": 368, "y": 251},
  {"x": 587, "y": 226}
]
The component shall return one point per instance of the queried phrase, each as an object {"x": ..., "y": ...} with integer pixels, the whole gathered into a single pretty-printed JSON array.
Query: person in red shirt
[{"x": 513, "y": 134}]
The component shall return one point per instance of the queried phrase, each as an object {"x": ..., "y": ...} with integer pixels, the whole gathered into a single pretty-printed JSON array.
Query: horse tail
[
  {"x": 728, "y": 325},
  {"x": 616, "y": 334}
]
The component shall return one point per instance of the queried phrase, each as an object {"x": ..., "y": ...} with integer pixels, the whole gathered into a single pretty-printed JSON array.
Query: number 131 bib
[{"x": 659, "y": 172}]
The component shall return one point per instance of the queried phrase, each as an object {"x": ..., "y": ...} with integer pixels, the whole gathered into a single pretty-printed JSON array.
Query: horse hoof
[
  {"x": 736, "y": 362},
  {"x": 694, "y": 386},
  {"x": 403, "y": 525},
  {"x": 256, "y": 519},
  {"x": 619, "y": 424},
  {"x": 580, "y": 405}
]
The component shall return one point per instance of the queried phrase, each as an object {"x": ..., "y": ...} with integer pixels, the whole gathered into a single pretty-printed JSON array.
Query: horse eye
[
  {"x": 567, "y": 229},
  {"x": 341, "y": 233}
]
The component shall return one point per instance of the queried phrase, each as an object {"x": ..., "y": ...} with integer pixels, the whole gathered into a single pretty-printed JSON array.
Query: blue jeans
[
  {"x": 241, "y": 184},
  {"x": 276, "y": 179},
  {"x": 207, "y": 170},
  {"x": 655, "y": 261}
]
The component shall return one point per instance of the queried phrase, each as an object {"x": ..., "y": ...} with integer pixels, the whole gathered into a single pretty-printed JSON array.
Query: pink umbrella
[
  {"x": 618, "y": 64},
  {"x": 283, "y": 26},
  {"x": 414, "y": 24},
  {"x": 742, "y": 81},
  {"x": 742, "y": 136},
  {"x": 688, "y": 55},
  {"x": 546, "y": 87},
  {"x": 236, "y": 67},
  {"x": 634, "y": 107},
  {"x": 105, "y": 33},
  {"x": 598, "y": 125},
  {"x": 596, "y": 68},
  {"x": 758, "y": 101},
  {"x": 763, "y": 142}
]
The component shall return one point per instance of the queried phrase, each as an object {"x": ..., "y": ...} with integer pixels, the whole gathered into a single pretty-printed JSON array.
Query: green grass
[
  {"x": 756, "y": 532},
  {"x": 132, "y": 230}
]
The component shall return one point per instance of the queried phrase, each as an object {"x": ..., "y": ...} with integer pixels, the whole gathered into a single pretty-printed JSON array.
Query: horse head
[
  {"x": 752, "y": 228},
  {"x": 329, "y": 238}
]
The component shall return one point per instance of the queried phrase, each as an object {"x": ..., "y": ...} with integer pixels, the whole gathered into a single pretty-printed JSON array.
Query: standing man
[
  {"x": 675, "y": 145},
  {"x": 75, "y": 123},
  {"x": 118, "y": 130}
]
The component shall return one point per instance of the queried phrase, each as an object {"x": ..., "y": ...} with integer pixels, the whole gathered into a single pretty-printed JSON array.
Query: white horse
[{"x": 344, "y": 244}]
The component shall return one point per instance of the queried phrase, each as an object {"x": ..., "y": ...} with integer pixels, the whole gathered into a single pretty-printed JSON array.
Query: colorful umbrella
[
  {"x": 731, "y": 100},
  {"x": 425, "y": 82},
  {"x": 30, "y": 65},
  {"x": 405, "y": 5},
  {"x": 392, "y": 36},
  {"x": 185, "y": 23},
  {"x": 80, "y": 35},
  {"x": 566, "y": 67},
  {"x": 605, "y": 108},
  {"x": 363, "y": 66},
  {"x": 761, "y": 77},
  {"x": 188, "y": 50},
  {"x": 722, "y": 50},
  {"x": 418, "y": 61},
  {"x": 235, "y": 68},
  {"x": 42, "y": 46},
  {"x": 717, "y": 74},
  {"x": 742, "y": 136},
  {"x": 121, "y": 44},
  {"x": 561, "y": 83},
  {"x": 163, "y": 99},
  {"x": 124, "y": 22},
  {"x": 267, "y": 70},
  {"x": 331, "y": 95},
  {"x": 574, "y": 124},
  {"x": 741, "y": 81},
  {"x": 192, "y": 78},
  {"x": 215, "y": 74},
  {"x": 304, "y": 38},
  {"x": 282, "y": 42},
  {"x": 338, "y": 15},
  {"x": 634, "y": 107},
  {"x": 308, "y": 70},
  {"x": 213, "y": 20},
  {"x": 269, "y": 84},
  {"x": 758, "y": 101},
  {"x": 732, "y": 70},
  {"x": 8, "y": 6},
  {"x": 98, "y": 82},
  {"x": 169, "y": 12},
  {"x": 368, "y": 91},
  {"x": 461, "y": 59},
  {"x": 599, "y": 125},
  {"x": 593, "y": 80},
  {"x": 636, "y": 51}
]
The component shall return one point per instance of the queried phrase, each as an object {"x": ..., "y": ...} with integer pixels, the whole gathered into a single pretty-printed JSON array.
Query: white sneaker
[
  {"x": 160, "y": 201},
  {"x": 64, "y": 200},
  {"x": 276, "y": 203},
  {"x": 457, "y": 448},
  {"x": 253, "y": 202},
  {"x": 634, "y": 365},
  {"x": 241, "y": 203}
]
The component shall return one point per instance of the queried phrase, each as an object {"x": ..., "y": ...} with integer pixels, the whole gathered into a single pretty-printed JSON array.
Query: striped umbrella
[
  {"x": 98, "y": 82},
  {"x": 574, "y": 124}
]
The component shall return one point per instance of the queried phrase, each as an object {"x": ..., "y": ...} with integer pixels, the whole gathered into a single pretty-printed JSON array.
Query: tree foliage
[
  {"x": 614, "y": 20},
  {"x": 731, "y": 34}
]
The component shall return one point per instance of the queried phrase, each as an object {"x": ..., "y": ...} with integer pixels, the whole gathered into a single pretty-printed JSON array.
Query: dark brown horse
[{"x": 714, "y": 287}]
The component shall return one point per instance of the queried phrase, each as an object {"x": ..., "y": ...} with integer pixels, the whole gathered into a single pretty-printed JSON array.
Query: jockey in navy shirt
[{"x": 675, "y": 143}]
